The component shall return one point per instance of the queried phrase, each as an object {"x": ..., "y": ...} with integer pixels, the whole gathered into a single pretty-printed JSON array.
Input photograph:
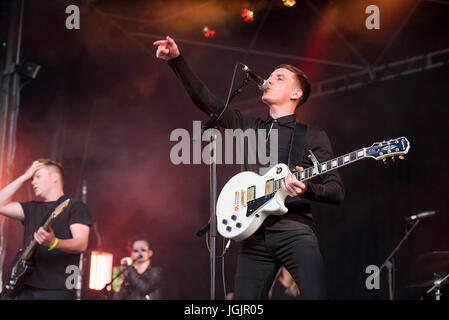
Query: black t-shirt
[{"x": 49, "y": 267}]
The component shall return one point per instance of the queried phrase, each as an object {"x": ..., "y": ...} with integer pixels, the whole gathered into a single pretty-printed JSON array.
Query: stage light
[
  {"x": 208, "y": 33},
  {"x": 100, "y": 269},
  {"x": 289, "y": 3},
  {"x": 28, "y": 69},
  {"x": 247, "y": 15}
]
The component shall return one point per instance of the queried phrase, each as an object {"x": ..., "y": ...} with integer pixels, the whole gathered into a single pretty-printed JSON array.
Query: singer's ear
[
  {"x": 150, "y": 253},
  {"x": 296, "y": 94}
]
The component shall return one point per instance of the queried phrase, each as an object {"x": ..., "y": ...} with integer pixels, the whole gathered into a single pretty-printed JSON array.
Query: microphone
[
  {"x": 134, "y": 260},
  {"x": 261, "y": 82},
  {"x": 421, "y": 215}
]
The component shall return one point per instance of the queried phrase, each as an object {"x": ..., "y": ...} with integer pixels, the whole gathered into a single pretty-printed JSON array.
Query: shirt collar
[{"x": 288, "y": 121}]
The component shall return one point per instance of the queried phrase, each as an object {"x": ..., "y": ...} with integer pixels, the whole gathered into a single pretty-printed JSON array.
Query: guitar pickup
[
  {"x": 269, "y": 187},
  {"x": 250, "y": 194}
]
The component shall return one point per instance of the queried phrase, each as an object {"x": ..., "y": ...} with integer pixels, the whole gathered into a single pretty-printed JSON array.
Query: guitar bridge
[{"x": 236, "y": 201}]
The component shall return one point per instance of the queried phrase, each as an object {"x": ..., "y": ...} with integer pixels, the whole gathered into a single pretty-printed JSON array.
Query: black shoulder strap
[
  {"x": 57, "y": 203},
  {"x": 297, "y": 145}
]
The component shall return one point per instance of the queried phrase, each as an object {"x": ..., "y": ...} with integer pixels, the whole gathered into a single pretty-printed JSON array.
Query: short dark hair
[
  {"x": 302, "y": 79},
  {"x": 54, "y": 164},
  {"x": 139, "y": 238}
]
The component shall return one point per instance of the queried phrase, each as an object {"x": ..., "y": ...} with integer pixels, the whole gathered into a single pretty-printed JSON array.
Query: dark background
[{"x": 105, "y": 106}]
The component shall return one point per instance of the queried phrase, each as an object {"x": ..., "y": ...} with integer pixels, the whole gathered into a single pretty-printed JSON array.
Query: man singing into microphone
[
  {"x": 287, "y": 240},
  {"x": 142, "y": 281}
]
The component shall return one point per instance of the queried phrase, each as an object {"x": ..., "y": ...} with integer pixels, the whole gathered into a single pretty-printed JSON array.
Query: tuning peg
[
  {"x": 401, "y": 157},
  {"x": 384, "y": 160},
  {"x": 392, "y": 158}
]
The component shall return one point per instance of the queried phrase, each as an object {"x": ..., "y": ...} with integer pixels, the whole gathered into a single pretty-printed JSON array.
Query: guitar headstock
[
  {"x": 59, "y": 209},
  {"x": 386, "y": 149}
]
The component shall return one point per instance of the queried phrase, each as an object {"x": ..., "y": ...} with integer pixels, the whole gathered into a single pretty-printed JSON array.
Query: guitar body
[
  {"x": 246, "y": 201},
  {"x": 22, "y": 268}
]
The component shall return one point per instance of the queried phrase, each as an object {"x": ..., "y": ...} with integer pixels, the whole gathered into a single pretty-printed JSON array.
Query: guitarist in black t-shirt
[{"x": 59, "y": 246}]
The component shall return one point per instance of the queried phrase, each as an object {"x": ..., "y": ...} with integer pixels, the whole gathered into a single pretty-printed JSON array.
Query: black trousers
[
  {"x": 32, "y": 293},
  {"x": 261, "y": 255}
]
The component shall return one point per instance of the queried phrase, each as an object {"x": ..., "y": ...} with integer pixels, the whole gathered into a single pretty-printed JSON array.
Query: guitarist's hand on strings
[
  {"x": 45, "y": 238},
  {"x": 292, "y": 186}
]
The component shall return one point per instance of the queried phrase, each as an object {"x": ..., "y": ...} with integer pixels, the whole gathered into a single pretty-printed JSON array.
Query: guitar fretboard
[
  {"x": 28, "y": 252},
  {"x": 324, "y": 167}
]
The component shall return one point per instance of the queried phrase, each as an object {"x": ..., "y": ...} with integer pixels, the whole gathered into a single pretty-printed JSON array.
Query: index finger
[
  {"x": 159, "y": 42},
  {"x": 42, "y": 231},
  {"x": 170, "y": 40},
  {"x": 34, "y": 163}
]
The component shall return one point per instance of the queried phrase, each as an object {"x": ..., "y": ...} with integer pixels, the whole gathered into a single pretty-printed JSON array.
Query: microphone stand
[
  {"x": 79, "y": 287},
  {"x": 390, "y": 265},
  {"x": 213, "y": 181},
  {"x": 103, "y": 291}
]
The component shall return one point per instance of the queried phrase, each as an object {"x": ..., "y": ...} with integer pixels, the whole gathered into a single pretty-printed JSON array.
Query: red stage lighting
[
  {"x": 208, "y": 33},
  {"x": 247, "y": 15},
  {"x": 100, "y": 269},
  {"x": 289, "y": 3}
]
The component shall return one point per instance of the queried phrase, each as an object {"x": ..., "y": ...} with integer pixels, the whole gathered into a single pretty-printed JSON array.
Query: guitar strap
[
  {"x": 57, "y": 203},
  {"x": 297, "y": 143}
]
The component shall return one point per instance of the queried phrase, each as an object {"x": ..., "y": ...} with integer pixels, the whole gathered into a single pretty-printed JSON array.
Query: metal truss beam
[
  {"x": 438, "y": 1},
  {"x": 400, "y": 68},
  {"x": 387, "y": 71},
  {"x": 255, "y": 52}
]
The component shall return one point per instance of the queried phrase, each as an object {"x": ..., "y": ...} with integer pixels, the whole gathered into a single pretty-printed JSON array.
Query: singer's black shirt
[{"x": 327, "y": 187}]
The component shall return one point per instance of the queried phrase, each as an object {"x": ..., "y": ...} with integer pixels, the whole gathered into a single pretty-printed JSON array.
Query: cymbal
[
  {"x": 435, "y": 261},
  {"x": 428, "y": 283}
]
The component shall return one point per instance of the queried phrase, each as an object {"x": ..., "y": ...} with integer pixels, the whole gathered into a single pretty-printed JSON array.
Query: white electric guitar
[{"x": 247, "y": 199}]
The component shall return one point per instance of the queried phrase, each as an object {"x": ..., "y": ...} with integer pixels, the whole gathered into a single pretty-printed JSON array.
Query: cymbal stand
[{"x": 437, "y": 286}]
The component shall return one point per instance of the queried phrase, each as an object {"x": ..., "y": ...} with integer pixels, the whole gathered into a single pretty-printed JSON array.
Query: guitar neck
[
  {"x": 29, "y": 251},
  {"x": 326, "y": 166}
]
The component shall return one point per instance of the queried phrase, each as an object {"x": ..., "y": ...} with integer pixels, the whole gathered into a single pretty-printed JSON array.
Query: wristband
[{"x": 54, "y": 244}]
